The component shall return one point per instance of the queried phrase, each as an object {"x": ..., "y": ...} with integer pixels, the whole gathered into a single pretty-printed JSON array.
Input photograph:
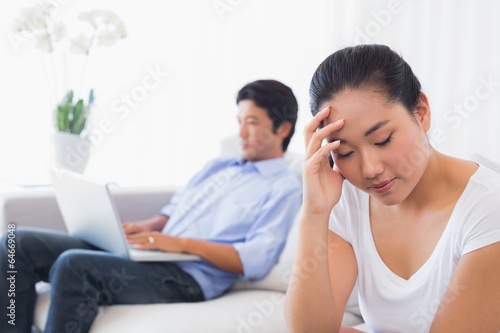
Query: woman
[{"x": 418, "y": 230}]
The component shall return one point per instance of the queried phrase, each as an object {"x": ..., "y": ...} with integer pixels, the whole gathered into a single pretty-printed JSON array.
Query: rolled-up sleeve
[{"x": 266, "y": 239}]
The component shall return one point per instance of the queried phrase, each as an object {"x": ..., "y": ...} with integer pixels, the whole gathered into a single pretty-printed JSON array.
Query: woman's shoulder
[
  {"x": 468, "y": 176},
  {"x": 483, "y": 187},
  {"x": 477, "y": 168},
  {"x": 486, "y": 177},
  {"x": 478, "y": 211},
  {"x": 479, "y": 204}
]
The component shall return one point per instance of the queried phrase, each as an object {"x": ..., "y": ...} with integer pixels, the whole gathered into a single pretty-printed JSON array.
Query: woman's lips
[{"x": 384, "y": 186}]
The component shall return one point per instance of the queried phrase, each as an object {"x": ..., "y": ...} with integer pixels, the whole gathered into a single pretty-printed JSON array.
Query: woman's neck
[{"x": 443, "y": 181}]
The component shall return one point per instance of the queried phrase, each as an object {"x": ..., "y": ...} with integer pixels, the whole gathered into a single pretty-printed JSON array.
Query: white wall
[{"x": 208, "y": 55}]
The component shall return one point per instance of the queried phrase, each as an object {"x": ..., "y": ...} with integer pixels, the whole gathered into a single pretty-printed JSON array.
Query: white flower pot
[{"x": 72, "y": 151}]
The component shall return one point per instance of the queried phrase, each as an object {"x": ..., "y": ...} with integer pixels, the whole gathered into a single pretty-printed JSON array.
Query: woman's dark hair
[
  {"x": 365, "y": 67},
  {"x": 277, "y": 99}
]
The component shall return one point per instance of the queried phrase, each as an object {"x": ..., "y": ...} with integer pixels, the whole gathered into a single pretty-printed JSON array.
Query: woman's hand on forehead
[{"x": 318, "y": 128}]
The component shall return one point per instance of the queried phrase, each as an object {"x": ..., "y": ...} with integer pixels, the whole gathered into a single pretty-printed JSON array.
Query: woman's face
[{"x": 384, "y": 150}]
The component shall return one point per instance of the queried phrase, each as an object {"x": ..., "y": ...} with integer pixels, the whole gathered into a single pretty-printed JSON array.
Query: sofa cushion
[
  {"x": 244, "y": 311},
  {"x": 240, "y": 311}
]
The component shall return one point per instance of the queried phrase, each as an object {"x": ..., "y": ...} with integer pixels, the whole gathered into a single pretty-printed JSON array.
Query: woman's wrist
[
  {"x": 315, "y": 214},
  {"x": 314, "y": 224}
]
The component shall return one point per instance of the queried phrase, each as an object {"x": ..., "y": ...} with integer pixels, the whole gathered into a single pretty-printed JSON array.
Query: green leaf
[
  {"x": 62, "y": 115},
  {"x": 67, "y": 99},
  {"x": 72, "y": 117},
  {"x": 77, "y": 123},
  {"x": 91, "y": 97}
]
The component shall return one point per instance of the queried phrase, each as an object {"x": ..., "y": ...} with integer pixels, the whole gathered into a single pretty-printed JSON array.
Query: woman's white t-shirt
[{"x": 390, "y": 303}]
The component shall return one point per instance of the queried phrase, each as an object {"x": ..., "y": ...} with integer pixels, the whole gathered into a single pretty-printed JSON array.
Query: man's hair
[{"x": 277, "y": 99}]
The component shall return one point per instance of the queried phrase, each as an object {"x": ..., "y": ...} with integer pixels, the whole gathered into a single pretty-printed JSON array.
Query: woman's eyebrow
[
  {"x": 367, "y": 133},
  {"x": 376, "y": 127}
]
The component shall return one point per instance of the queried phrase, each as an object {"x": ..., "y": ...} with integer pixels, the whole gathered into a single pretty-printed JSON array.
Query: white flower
[
  {"x": 121, "y": 30},
  {"x": 117, "y": 24},
  {"x": 59, "y": 31},
  {"x": 80, "y": 44},
  {"x": 43, "y": 42},
  {"x": 112, "y": 19},
  {"x": 104, "y": 16},
  {"x": 87, "y": 17},
  {"x": 35, "y": 18},
  {"x": 18, "y": 26},
  {"x": 107, "y": 37},
  {"x": 26, "y": 23},
  {"x": 37, "y": 24},
  {"x": 108, "y": 27}
]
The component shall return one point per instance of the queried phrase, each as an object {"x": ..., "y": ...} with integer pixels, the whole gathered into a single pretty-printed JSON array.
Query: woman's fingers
[
  {"x": 326, "y": 149},
  {"x": 313, "y": 125},
  {"x": 320, "y": 156},
  {"x": 318, "y": 136}
]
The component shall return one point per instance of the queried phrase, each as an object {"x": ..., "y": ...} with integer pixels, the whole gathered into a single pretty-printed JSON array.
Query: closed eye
[
  {"x": 385, "y": 142},
  {"x": 380, "y": 144},
  {"x": 342, "y": 156}
]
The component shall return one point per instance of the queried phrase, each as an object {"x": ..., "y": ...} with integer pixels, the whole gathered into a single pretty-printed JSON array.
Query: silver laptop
[{"x": 89, "y": 213}]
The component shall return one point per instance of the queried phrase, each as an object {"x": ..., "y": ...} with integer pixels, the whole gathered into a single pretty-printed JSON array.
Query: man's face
[{"x": 258, "y": 142}]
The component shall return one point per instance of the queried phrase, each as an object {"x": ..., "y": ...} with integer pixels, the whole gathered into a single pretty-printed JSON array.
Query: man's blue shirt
[{"x": 250, "y": 205}]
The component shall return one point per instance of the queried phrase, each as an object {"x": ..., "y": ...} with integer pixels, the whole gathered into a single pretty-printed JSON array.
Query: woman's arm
[
  {"x": 322, "y": 280},
  {"x": 324, "y": 266},
  {"x": 309, "y": 304},
  {"x": 471, "y": 302},
  {"x": 343, "y": 271}
]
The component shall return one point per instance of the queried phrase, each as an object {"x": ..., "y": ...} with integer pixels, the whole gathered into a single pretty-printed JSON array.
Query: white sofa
[{"x": 255, "y": 306}]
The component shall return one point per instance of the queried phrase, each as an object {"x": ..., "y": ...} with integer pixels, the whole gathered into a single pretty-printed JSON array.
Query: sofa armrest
[{"x": 38, "y": 208}]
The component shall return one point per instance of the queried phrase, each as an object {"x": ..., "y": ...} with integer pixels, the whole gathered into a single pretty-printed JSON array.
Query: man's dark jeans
[{"x": 82, "y": 277}]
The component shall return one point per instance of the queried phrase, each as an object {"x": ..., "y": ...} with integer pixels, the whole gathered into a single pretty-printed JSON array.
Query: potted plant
[
  {"x": 72, "y": 148},
  {"x": 71, "y": 117},
  {"x": 72, "y": 110}
]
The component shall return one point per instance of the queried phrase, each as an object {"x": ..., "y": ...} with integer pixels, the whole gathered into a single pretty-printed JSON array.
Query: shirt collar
[{"x": 267, "y": 168}]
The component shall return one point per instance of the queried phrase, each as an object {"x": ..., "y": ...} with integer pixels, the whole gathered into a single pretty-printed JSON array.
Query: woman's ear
[{"x": 423, "y": 112}]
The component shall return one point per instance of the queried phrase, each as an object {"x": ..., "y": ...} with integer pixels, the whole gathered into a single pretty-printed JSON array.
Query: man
[{"x": 234, "y": 214}]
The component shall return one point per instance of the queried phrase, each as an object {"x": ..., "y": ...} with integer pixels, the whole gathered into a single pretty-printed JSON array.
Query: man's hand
[
  {"x": 223, "y": 256},
  {"x": 135, "y": 227},
  {"x": 156, "y": 241},
  {"x": 155, "y": 223}
]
